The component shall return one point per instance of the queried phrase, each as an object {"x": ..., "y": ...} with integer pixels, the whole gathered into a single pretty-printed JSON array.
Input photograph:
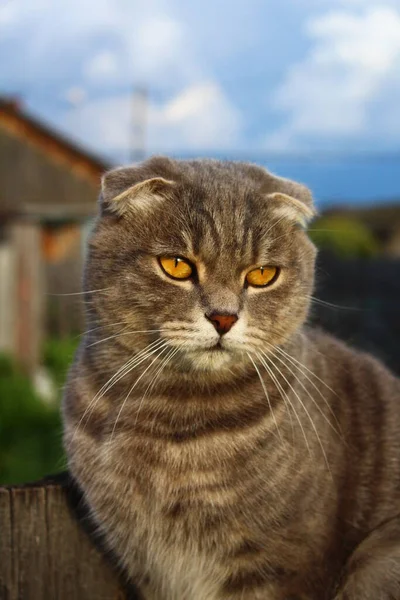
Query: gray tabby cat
[{"x": 225, "y": 449}]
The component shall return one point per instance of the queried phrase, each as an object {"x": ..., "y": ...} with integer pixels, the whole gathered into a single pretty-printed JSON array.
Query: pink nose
[{"x": 222, "y": 323}]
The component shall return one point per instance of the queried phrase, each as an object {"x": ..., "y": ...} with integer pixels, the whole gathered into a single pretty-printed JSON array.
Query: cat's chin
[{"x": 212, "y": 359}]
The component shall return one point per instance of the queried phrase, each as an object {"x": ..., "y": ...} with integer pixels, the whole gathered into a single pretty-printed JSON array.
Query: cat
[{"x": 227, "y": 450}]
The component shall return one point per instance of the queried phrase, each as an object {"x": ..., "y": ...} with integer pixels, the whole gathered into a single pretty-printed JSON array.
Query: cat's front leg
[{"x": 373, "y": 570}]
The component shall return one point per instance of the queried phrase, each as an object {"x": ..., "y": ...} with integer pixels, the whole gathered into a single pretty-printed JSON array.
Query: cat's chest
[
  {"x": 186, "y": 494},
  {"x": 183, "y": 507},
  {"x": 200, "y": 478},
  {"x": 187, "y": 499},
  {"x": 174, "y": 525}
]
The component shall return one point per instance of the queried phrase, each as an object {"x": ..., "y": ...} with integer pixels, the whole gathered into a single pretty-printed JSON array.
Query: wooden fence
[
  {"x": 45, "y": 550},
  {"x": 363, "y": 297}
]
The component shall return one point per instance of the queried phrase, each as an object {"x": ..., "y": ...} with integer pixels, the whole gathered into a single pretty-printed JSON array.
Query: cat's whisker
[
  {"x": 281, "y": 236},
  {"x": 305, "y": 410},
  {"x": 279, "y": 385},
  {"x": 133, "y": 362},
  {"x": 297, "y": 366},
  {"x": 331, "y": 305},
  {"x": 310, "y": 396},
  {"x": 324, "y": 230},
  {"x": 283, "y": 352},
  {"x": 81, "y": 293},
  {"x": 160, "y": 351},
  {"x": 284, "y": 396},
  {"x": 178, "y": 324},
  {"x": 266, "y": 395},
  {"x": 92, "y": 404},
  {"x": 111, "y": 337},
  {"x": 101, "y": 327},
  {"x": 124, "y": 370},
  {"x": 275, "y": 224},
  {"x": 151, "y": 385}
]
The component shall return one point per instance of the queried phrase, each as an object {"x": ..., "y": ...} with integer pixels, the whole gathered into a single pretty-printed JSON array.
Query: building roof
[{"x": 41, "y": 171}]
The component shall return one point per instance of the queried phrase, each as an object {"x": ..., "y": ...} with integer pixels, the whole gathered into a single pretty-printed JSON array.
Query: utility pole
[{"x": 139, "y": 124}]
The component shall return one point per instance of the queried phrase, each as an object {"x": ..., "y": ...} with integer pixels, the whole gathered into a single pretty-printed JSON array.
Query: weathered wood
[
  {"x": 29, "y": 294},
  {"x": 7, "y": 292},
  {"x": 22, "y": 126},
  {"x": 44, "y": 552}
]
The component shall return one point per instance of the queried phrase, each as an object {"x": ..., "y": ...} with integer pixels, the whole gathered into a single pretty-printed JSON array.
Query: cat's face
[{"x": 208, "y": 257}]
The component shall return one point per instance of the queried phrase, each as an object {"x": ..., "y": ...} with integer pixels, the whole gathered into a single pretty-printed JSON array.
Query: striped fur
[{"x": 268, "y": 470}]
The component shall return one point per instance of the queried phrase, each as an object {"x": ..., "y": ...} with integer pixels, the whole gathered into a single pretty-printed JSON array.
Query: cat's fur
[{"x": 228, "y": 474}]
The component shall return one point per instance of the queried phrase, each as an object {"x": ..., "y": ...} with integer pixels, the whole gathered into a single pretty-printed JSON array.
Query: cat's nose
[{"x": 222, "y": 323}]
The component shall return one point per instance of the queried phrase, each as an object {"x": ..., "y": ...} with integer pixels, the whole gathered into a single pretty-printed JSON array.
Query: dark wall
[
  {"x": 367, "y": 295},
  {"x": 30, "y": 179}
]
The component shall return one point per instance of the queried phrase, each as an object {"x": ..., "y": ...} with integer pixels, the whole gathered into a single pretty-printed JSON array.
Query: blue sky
[{"x": 310, "y": 88}]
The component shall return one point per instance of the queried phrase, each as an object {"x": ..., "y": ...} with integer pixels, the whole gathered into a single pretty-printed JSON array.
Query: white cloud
[
  {"x": 77, "y": 62},
  {"x": 200, "y": 118},
  {"x": 161, "y": 43},
  {"x": 102, "y": 66},
  {"x": 369, "y": 42},
  {"x": 75, "y": 95},
  {"x": 98, "y": 53},
  {"x": 154, "y": 50},
  {"x": 197, "y": 118},
  {"x": 332, "y": 93},
  {"x": 8, "y": 14}
]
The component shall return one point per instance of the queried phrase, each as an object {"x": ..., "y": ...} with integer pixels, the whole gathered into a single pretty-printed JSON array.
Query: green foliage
[
  {"x": 57, "y": 357},
  {"x": 30, "y": 429},
  {"x": 344, "y": 236}
]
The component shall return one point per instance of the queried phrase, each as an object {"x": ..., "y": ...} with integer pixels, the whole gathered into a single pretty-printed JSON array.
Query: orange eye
[
  {"x": 262, "y": 276},
  {"x": 175, "y": 267}
]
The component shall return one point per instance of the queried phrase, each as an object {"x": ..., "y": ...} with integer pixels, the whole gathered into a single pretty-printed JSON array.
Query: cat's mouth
[
  {"x": 211, "y": 358},
  {"x": 217, "y": 347}
]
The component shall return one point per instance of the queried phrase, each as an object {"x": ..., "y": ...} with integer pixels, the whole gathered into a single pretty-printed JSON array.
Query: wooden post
[
  {"x": 7, "y": 291},
  {"x": 29, "y": 294},
  {"x": 45, "y": 554}
]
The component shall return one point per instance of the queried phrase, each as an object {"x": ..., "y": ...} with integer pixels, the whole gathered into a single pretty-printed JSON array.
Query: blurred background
[{"x": 308, "y": 88}]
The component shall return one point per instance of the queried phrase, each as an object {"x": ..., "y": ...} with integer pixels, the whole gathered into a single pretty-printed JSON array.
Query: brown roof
[{"x": 41, "y": 171}]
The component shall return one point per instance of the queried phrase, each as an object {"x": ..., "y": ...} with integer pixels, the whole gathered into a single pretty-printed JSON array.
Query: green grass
[
  {"x": 30, "y": 429},
  {"x": 57, "y": 357},
  {"x": 345, "y": 237}
]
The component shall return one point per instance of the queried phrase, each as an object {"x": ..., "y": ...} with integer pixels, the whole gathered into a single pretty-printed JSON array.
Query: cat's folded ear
[
  {"x": 292, "y": 201},
  {"x": 288, "y": 207},
  {"x": 123, "y": 194}
]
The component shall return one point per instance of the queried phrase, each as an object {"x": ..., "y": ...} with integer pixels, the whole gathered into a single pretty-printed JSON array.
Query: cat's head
[{"x": 210, "y": 257}]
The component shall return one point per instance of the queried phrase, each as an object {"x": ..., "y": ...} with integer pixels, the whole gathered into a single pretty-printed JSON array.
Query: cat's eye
[
  {"x": 176, "y": 267},
  {"x": 262, "y": 276}
]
